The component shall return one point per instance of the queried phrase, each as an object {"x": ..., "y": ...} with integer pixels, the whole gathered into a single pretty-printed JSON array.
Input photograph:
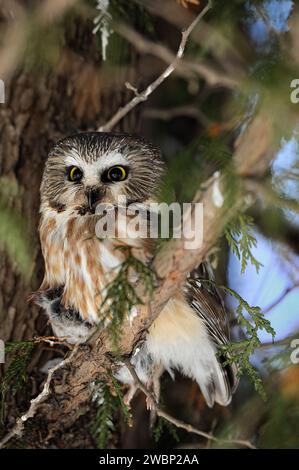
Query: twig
[
  {"x": 270, "y": 196},
  {"x": 271, "y": 29},
  {"x": 176, "y": 422},
  {"x": 18, "y": 429},
  {"x": 186, "y": 69},
  {"x": 274, "y": 344},
  {"x": 281, "y": 297},
  {"x": 143, "y": 96},
  {"x": 52, "y": 340},
  {"x": 268, "y": 309},
  {"x": 209, "y": 35}
]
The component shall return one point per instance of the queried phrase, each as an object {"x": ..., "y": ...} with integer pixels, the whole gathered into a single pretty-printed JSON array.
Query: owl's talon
[
  {"x": 150, "y": 403},
  {"x": 153, "y": 398},
  {"x": 129, "y": 395}
]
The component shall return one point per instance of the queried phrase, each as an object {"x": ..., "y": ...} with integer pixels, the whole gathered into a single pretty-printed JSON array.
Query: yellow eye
[
  {"x": 116, "y": 173},
  {"x": 75, "y": 174}
]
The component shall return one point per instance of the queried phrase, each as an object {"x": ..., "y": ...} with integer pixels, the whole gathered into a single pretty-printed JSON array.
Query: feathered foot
[
  {"x": 130, "y": 394},
  {"x": 65, "y": 322}
]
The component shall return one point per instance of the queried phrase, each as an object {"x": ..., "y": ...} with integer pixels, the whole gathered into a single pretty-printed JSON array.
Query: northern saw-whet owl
[{"x": 82, "y": 171}]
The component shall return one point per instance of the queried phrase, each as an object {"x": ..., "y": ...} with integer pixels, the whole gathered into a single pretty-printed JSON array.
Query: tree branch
[
  {"x": 18, "y": 429},
  {"x": 184, "y": 68},
  {"x": 176, "y": 422},
  {"x": 281, "y": 298},
  {"x": 143, "y": 96}
]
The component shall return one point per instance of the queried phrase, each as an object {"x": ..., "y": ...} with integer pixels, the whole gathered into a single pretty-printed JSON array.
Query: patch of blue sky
[
  {"x": 287, "y": 160},
  {"x": 277, "y": 12},
  {"x": 264, "y": 288},
  {"x": 287, "y": 155}
]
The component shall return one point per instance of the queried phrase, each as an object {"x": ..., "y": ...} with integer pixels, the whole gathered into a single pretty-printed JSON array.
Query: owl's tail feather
[
  {"x": 206, "y": 301},
  {"x": 223, "y": 383}
]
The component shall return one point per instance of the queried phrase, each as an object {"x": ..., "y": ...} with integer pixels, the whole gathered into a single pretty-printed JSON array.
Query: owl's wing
[{"x": 206, "y": 301}]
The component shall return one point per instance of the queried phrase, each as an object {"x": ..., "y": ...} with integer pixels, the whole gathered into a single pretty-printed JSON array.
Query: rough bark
[{"x": 77, "y": 93}]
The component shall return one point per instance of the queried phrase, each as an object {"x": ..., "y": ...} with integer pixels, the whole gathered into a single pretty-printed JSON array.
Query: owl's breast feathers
[
  {"x": 81, "y": 262},
  {"x": 187, "y": 333},
  {"x": 75, "y": 258}
]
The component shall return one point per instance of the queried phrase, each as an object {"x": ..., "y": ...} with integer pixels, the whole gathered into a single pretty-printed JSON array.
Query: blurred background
[{"x": 66, "y": 66}]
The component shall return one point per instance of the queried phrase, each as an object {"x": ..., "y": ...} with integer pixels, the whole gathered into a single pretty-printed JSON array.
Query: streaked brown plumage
[{"x": 79, "y": 265}]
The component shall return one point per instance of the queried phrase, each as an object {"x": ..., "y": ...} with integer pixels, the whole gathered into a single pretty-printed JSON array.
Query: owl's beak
[{"x": 93, "y": 196}]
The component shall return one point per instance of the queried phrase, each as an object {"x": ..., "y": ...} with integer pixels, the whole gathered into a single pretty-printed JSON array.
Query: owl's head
[{"x": 97, "y": 167}]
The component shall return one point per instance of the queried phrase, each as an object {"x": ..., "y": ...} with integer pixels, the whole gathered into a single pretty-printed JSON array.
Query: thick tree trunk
[{"x": 78, "y": 93}]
